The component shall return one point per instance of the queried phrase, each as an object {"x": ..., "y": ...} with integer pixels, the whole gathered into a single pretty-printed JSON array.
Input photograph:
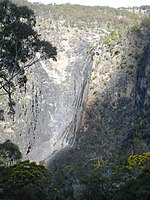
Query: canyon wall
[{"x": 48, "y": 111}]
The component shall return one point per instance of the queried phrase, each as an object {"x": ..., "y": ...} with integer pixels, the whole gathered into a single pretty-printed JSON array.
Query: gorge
[
  {"x": 81, "y": 121},
  {"x": 58, "y": 102}
]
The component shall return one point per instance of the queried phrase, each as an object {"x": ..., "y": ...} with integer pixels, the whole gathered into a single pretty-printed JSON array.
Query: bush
[
  {"x": 9, "y": 153},
  {"x": 137, "y": 188}
]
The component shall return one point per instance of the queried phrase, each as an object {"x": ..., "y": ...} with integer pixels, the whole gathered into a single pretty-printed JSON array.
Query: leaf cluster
[{"x": 24, "y": 180}]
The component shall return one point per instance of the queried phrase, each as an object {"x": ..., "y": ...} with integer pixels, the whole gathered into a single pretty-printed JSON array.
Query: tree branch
[{"x": 17, "y": 72}]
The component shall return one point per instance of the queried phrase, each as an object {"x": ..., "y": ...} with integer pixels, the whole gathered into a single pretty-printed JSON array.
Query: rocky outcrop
[{"x": 47, "y": 115}]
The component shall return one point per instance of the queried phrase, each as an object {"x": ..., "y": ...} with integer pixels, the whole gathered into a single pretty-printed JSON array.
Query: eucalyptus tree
[{"x": 19, "y": 43}]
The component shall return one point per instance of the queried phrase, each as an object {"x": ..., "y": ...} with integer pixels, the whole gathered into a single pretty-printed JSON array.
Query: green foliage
[
  {"x": 96, "y": 175},
  {"x": 136, "y": 56},
  {"x": 137, "y": 128},
  {"x": 19, "y": 44},
  {"x": 25, "y": 180},
  {"x": 9, "y": 153},
  {"x": 94, "y": 179},
  {"x": 145, "y": 115},
  {"x": 98, "y": 178},
  {"x": 146, "y": 23},
  {"x": 136, "y": 27},
  {"x": 137, "y": 188},
  {"x": 103, "y": 179},
  {"x": 80, "y": 16},
  {"x": 139, "y": 162}
]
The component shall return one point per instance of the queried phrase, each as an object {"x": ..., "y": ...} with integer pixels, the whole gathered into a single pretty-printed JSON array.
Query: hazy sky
[{"x": 111, "y": 3}]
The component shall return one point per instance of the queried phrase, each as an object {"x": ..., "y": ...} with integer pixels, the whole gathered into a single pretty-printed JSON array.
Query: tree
[
  {"x": 19, "y": 43},
  {"x": 9, "y": 153},
  {"x": 25, "y": 180}
]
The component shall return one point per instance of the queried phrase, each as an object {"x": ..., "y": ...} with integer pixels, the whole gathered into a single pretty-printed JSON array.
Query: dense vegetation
[
  {"x": 84, "y": 16},
  {"x": 90, "y": 172},
  {"x": 96, "y": 179},
  {"x": 9, "y": 153}
]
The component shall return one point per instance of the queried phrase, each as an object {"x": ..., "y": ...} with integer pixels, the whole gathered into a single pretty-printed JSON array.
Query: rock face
[
  {"x": 118, "y": 107},
  {"x": 142, "y": 96},
  {"x": 48, "y": 113},
  {"x": 116, "y": 118},
  {"x": 143, "y": 83}
]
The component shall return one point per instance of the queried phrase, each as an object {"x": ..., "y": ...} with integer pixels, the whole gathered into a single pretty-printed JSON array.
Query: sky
[{"x": 111, "y": 3}]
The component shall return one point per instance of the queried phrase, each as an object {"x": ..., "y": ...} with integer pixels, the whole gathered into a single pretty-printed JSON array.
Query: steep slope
[
  {"x": 117, "y": 112},
  {"x": 48, "y": 112}
]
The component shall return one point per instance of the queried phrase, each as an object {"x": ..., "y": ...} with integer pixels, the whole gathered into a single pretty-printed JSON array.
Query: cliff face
[
  {"x": 142, "y": 95},
  {"x": 117, "y": 113},
  {"x": 48, "y": 112},
  {"x": 47, "y": 115}
]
